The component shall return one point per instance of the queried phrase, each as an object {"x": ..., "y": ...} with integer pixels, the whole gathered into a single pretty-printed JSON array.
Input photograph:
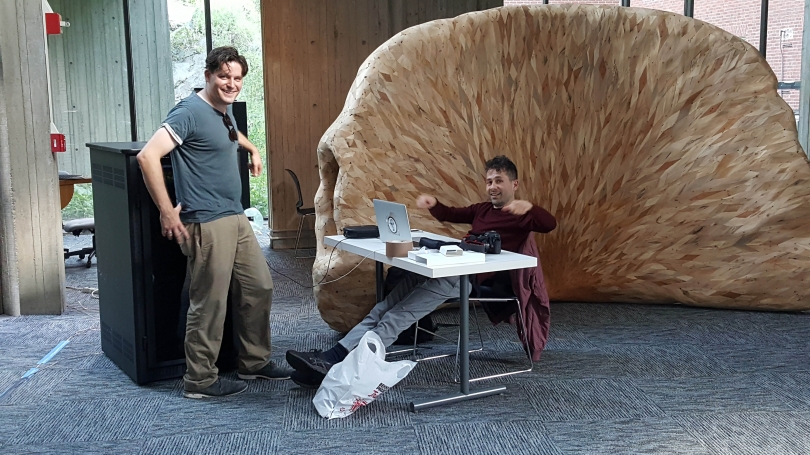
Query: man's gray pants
[{"x": 412, "y": 299}]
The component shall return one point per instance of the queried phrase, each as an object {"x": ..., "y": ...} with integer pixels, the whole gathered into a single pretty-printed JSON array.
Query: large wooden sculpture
[{"x": 658, "y": 141}]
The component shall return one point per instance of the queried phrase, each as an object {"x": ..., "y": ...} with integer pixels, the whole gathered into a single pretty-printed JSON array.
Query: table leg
[
  {"x": 464, "y": 326},
  {"x": 379, "y": 271}
]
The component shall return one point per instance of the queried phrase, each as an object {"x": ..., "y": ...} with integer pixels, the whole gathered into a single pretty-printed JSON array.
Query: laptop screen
[{"x": 392, "y": 221}]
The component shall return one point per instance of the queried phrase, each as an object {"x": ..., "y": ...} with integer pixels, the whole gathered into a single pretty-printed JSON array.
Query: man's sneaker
[
  {"x": 269, "y": 371},
  {"x": 309, "y": 362},
  {"x": 306, "y": 381},
  {"x": 221, "y": 388}
]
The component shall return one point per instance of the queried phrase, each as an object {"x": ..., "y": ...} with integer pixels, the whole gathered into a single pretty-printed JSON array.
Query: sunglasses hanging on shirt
[{"x": 226, "y": 119}]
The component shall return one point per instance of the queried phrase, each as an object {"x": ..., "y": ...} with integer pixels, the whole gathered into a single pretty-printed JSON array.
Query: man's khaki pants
[{"x": 225, "y": 253}]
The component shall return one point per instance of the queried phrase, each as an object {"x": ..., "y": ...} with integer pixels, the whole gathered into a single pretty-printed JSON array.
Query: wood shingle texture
[{"x": 658, "y": 141}]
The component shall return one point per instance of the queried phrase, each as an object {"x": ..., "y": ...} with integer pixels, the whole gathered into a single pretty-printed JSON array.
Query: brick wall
[{"x": 740, "y": 17}]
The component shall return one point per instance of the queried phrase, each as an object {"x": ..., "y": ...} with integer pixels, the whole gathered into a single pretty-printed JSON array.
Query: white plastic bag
[
  {"x": 258, "y": 219},
  {"x": 359, "y": 379}
]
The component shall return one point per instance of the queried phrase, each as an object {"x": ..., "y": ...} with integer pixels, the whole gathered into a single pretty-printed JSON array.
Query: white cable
[
  {"x": 92, "y": 291},
  {"x": 329, "y": 262},
  {"x": 350, "y": 271}
]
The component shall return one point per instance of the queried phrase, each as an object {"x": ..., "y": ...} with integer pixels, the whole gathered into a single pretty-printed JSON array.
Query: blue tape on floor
[
  {"x": 29, "y": 373},
  {"x": 53, "y": 352},
  {"x": 11, "y": 388},
  {"x": 34, "y": 370}
]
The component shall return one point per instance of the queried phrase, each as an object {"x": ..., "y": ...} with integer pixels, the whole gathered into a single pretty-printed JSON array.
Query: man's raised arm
[{"x": 444, "y": 213}]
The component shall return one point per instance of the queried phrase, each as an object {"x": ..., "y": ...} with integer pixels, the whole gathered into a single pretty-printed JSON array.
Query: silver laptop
[{"x": 392, "y": 221}]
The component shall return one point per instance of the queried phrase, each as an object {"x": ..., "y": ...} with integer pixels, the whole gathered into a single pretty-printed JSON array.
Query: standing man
[{"x": 209, "y": 225}]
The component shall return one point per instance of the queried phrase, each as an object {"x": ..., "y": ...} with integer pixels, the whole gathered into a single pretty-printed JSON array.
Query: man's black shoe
[
  {"x": 309, "y": 362},
  {"x": 306, "y": 381},
  {"x": 221, "y": 388}
]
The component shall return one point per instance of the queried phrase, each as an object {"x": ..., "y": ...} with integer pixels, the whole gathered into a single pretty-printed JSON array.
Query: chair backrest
[
  {"x": 499, "y": 287},
  {"x": 300, "y": 202}
]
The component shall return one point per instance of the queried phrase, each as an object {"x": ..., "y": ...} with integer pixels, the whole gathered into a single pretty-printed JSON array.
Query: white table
[{"x": 375, "y": 249}]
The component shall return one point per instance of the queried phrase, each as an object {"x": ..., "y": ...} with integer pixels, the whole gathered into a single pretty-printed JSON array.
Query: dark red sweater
[{"x": 514, "y": 230}]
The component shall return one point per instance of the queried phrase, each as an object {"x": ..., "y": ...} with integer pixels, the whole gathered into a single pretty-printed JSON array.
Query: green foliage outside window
[{"x": 81, "y": 205}]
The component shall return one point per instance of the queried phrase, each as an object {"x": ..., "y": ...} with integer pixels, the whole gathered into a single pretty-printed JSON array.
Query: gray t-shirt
[{"x": 206, "y": 172}]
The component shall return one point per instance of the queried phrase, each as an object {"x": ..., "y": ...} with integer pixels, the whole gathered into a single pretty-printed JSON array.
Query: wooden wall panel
[
  {"x": 658, "y": 142},
  {"x": 312, "y": 51}
]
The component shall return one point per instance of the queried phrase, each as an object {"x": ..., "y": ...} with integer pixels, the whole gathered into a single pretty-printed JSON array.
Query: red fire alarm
[
  {"x": 53, "y": 24},
  {"x": 58, "y": 143}
]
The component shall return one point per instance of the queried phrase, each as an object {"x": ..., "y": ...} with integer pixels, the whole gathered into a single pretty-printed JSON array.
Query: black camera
[{"x": 489, "y": 242}]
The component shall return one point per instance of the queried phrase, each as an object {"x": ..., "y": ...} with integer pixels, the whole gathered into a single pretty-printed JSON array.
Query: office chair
[
  {"x": 482, "y": 295},
  {"x": 302, "y": 212},
  {"x": 76, "y": 227}
]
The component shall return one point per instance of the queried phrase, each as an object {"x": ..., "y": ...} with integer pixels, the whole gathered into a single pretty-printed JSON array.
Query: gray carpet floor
[{"x": 613, "y": 379}]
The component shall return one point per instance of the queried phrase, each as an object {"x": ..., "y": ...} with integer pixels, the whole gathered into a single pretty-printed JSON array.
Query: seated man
[{"x": 417, "y": 296}]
